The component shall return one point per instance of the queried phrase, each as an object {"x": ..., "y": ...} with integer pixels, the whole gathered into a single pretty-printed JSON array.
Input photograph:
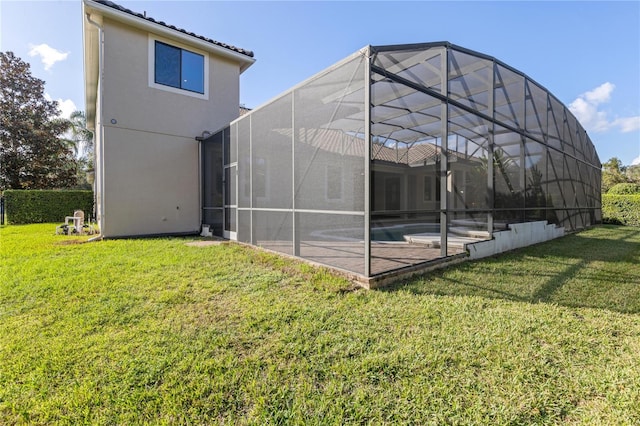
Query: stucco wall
[
  {"x": 152, "y": 183},
  {"x": 151, "y": 169}
]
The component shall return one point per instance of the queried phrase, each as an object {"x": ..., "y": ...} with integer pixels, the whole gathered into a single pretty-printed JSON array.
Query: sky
[{"x": 586, "y": 53}]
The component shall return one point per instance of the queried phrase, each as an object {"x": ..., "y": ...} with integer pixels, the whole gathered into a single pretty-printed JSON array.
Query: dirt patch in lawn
[
  {"x": 205, "y": 243},
  {"x": 70, "y": 242}
]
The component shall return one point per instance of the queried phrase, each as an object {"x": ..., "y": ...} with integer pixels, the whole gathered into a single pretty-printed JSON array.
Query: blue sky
[{"x": 585, "y": 53}]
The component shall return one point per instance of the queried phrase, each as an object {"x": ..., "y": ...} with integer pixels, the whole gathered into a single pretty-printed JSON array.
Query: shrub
[
  {"x": 41, "y": 206},
  {"x": 621, "y": 209},
  {"x": 624, "y": 189}
]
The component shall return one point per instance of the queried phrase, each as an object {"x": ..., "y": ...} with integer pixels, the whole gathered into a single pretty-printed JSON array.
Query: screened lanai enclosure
[{"x": 398, "y": 156}]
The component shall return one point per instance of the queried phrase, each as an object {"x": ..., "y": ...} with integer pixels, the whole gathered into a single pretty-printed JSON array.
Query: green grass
[{"x": 157, "y": 332}]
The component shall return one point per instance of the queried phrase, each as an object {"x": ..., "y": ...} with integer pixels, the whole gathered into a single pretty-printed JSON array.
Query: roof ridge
[{"x": 115, "y": 6}]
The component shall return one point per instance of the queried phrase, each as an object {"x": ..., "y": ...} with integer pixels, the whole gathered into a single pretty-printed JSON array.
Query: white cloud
[
  {"x": 636, "y": 162},
  {"x": 600, "y": 94},
  {"x": 587, "y": 109},
  {"x": 628, "y": 124},
  {"x": 588, "y": 115},
  {"x": 48, "y": 55},
  {"x": 66, "y": 106}
]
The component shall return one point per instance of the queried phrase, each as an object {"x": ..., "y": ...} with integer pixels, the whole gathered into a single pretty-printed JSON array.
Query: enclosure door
[{"x": 212, "y": 185}]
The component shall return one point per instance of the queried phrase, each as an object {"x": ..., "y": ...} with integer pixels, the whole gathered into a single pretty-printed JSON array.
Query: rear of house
[{"x": 394, "y": 159}]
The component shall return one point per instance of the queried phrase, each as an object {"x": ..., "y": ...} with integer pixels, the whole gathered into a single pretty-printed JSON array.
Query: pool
[
  {"x": 382, "y": 233},
  {"x": 397, "y": 232}
]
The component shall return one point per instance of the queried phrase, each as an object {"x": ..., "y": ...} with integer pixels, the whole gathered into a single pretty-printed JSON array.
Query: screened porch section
[{"x": 397, "y": 156}]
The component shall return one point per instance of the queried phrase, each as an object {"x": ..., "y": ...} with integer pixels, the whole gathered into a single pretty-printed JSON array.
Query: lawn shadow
[{"x": 599, "y": 268}]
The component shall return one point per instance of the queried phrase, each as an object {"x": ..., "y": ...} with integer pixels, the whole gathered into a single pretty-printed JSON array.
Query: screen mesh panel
[
  {"x": 508, "y": 163},
  {"x": 470, "y": 80},
  {"x": 244, "y": 226},
  {"x": 329, "y": 140},
  {"x": 308, "y": 142},
  {"x": 468, "y": 159},
  {"x": 535, "y": 110},
  {"x": 212, "y": 183},
  {"x": 536, "y": 193},
  {"x": 332, "y": 239},
  {"x": 230, "y": 219},
  {"x": 273, "y": 230},
  {"x": 244, "y": 163},
  {"x": 471, "y": 225},
  {"x": 509, "y": 97},
  {"x": 581, "y": 183},
  {"x": 420, "y": 66},
  {"x": 567, "y": 135},
  {"x": 213, "y": 218},
  {"x": 555, "y": 120},
  {"x": 271, "y": 155},
  {"x": 555, "y": 173},
  {"x": 569, "y": 189},
  {"x": 231, "y": 145}
]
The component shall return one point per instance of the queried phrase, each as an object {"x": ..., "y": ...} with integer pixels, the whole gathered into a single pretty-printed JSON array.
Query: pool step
[{"x": 433, "y": 240}]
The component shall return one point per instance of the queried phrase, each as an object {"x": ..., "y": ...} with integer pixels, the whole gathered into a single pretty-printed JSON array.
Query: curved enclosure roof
[{"x": 477, "y": 84}]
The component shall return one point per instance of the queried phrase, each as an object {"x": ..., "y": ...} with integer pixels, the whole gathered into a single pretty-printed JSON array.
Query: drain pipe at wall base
[
  {"x": 99, "y": 131},
  {"x": 205, "y": 134}
]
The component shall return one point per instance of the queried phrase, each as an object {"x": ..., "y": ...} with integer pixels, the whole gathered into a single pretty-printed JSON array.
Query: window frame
[{"x": 179, "y": 90}]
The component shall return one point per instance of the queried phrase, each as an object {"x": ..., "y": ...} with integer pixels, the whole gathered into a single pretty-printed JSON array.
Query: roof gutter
[
  {"x": 98, "y": 133},
  {"x": 244, "y": 60}
]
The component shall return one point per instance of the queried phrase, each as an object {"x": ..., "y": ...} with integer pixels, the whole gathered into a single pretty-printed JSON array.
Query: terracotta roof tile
[
  {"x": 339, "y": 142},
  {"x": 140, "y": 15}
]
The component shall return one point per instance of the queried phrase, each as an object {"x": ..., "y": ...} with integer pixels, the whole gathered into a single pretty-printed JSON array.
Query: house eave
[
  {"x": 243, "y": 60},
  {"x": 91, "y": 64}
]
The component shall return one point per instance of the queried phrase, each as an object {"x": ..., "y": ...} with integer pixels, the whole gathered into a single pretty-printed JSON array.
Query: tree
[
  {"x": 33, "y": 155},
  {"x": 633, "y": 173},
  {"x": 613, "y": 172},
  {"x": 81, "y": 136},
  {"x": 80, "y": 139}
]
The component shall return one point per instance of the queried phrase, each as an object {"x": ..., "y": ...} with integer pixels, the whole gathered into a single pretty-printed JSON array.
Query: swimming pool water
[{"x": 397, "y": 232}]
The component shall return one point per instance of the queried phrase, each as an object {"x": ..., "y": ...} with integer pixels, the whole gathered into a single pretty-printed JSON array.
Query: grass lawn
[{"x": 157, "y": 332}]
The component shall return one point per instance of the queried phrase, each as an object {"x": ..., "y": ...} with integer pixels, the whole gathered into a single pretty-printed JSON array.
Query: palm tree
[
  {"x": 80, "y": 141},
  {"x": 81, "y": 137}
]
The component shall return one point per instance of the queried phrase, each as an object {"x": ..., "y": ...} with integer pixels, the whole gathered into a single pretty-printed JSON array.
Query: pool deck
[{"x": 349, "y": 256}]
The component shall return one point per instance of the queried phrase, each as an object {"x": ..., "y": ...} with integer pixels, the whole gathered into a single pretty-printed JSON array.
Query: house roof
[
  {"x": 115, "y": 6},
  {"x": 337, "y": 141}
]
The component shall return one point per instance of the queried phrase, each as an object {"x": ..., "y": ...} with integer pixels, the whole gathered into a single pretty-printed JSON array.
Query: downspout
[
  {"x": 200, "y": 190},
  {"x": 99, "y": 129}
]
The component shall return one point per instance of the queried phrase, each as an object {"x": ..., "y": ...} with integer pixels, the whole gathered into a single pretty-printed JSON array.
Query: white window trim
[{"x": 152, "y": 56}]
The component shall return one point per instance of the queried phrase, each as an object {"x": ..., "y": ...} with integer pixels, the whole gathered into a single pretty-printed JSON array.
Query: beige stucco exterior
[{"x": 147, "y": 155}]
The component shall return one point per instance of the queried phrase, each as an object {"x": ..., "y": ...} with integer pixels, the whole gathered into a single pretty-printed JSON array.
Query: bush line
[
  {"x": 621, "y": 209},
  {"x": 43, "y": 206}
]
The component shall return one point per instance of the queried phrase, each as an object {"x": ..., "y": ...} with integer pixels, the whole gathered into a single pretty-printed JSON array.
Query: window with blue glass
[{"x": 179, "y": 68}]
